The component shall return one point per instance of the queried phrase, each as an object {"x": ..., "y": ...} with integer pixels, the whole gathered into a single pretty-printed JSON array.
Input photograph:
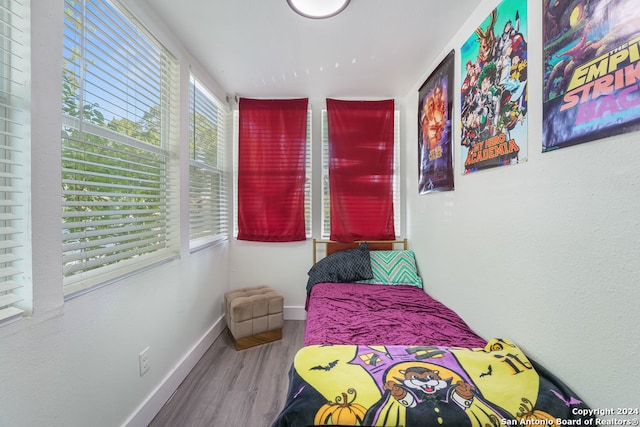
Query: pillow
[
  {"x": 345, "y": 266},
  {"x": 394, "y": 268}
]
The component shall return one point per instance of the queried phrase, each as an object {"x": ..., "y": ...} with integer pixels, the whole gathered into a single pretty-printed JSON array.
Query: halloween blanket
[{"x": 412, "y": 386}]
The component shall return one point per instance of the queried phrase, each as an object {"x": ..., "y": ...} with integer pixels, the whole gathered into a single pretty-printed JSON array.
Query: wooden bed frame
[{"x": 374, "y": 245}]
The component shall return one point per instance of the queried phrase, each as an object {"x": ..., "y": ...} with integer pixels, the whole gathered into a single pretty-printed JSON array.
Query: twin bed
[{"x": 379, "y": 351}]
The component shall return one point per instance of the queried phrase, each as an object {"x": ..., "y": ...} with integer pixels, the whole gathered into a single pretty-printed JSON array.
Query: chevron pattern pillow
[{"x": 394, "y": 268}]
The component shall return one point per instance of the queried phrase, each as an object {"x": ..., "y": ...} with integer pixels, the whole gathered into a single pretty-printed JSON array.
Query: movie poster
[
  {"x": 592, "y": 68},
  {"x": 434, "y": 129},
  {"x": 494, "y": 90}
]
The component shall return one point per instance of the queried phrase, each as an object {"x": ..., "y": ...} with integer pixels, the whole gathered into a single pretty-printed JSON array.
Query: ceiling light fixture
[{"x": 318, "y": 9}]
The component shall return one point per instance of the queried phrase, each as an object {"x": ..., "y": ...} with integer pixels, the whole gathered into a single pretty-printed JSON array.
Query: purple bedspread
[{"x": 364, "y": 314}]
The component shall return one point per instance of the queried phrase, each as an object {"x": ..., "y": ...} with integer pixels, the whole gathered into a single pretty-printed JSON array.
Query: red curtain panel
[
  {"x": 361, "y": 169},
  {"x": 271, "y": 169}
]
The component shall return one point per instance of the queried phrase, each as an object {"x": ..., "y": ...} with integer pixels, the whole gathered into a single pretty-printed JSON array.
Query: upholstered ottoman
[{"x": 254, "y": 316}]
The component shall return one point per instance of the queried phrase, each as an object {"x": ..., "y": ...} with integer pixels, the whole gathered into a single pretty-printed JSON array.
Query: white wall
[
  {"x": 81, "y": 368},
  {"x": 282, "y": 266},
  {"x": 545, "y": 253},
  {"x": 75, "y": 363}
]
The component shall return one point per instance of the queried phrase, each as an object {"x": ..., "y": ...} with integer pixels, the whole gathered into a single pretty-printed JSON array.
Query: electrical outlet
[{"x": 143, "y": 358}]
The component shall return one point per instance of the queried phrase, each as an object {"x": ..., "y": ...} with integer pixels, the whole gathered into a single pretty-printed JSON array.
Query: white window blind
[
  {"x": 326, "y": 200},
  {"x": 119, "y": 139},
  {"x": 307, "y": 183},
  {"x": 13, "y": 149},
  {"x": 207, "y": 173}
]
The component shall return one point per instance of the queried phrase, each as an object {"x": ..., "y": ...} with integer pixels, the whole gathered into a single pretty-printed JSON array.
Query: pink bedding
[{"x": 365, "y": 314}]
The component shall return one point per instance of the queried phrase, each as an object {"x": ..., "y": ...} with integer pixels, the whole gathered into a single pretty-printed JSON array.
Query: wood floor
[{"x": 229, "y": 388}]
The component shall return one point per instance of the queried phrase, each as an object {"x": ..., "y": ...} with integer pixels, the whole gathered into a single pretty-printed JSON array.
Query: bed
[{"x": 379, "y": 351}]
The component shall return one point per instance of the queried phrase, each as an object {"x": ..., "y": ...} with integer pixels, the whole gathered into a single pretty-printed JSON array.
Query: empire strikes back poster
[
  {"x": 591, "y": 70},
  {"x": 494, "y": 90}
]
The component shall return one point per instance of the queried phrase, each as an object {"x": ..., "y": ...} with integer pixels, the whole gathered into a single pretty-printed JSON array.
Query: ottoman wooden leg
[{"x": 253, "y": 340}]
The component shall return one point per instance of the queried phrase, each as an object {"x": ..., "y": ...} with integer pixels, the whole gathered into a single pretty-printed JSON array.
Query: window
[
  {"x": 307, "y": 184},
  {"x": 14, "y": 117},
  {"x": 326, "y": 205},
  {"x": 207, "y": 174},
  {"x": 119, "y": 145}
]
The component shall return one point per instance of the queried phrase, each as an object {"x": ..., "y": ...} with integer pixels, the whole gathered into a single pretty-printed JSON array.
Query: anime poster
[
  {"x": 592, "y": 68},
  {"x": 494, "y": 90},
  {"x": 434, "y": 129}
]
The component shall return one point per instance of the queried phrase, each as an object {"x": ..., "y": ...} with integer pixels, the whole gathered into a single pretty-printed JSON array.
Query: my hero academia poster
[
  {"x": 591, "y": 70},
  {"x": 494, "y": 90},
  {"x": 434, "y": 129}
]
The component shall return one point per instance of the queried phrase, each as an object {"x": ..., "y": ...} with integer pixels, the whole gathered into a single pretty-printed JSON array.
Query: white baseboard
[
  {"x": 294, "y": 313},
  {"x": 148, "y": 409}
]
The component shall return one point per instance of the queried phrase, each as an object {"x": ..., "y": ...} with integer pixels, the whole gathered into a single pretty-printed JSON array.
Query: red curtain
[
  {"x": 361, "y": 169},
  {"x": 271, "y": 169}
]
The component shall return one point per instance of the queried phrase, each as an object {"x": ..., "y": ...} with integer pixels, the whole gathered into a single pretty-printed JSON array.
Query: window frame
[
  {"x": 202, "y": 232},
  {"x": 14, "y": 157},
  {"x": 137, "y": 151}
]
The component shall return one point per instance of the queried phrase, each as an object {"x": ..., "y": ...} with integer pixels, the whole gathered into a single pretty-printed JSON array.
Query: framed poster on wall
[
  {"x": 494, "y": 90},
  {"x": 591, "y": 71},
  {"x": 434, "y": 129}
]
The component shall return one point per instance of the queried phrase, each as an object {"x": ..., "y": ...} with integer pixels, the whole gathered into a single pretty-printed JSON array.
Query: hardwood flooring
[{"x": 229, "y": 388}]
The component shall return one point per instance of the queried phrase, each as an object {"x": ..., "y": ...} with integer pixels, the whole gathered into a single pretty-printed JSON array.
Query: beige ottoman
[{"x": 254, "y": 316}]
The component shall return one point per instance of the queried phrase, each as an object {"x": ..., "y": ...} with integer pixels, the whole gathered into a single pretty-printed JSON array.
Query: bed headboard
[{"x": 374, "y": 245}]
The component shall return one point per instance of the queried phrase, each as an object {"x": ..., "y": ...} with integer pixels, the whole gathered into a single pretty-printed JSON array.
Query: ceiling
[{"x": 261, "y": 48}]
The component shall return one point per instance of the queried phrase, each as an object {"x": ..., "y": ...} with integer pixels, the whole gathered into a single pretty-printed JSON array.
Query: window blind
[
  {"x": 326, "y": 199},
  {"x": 307, "y": 183},
  {"x": 119, "y": 139},
  {"x": 207, "y": 173},
  {"x": 14, "y": 114}
]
